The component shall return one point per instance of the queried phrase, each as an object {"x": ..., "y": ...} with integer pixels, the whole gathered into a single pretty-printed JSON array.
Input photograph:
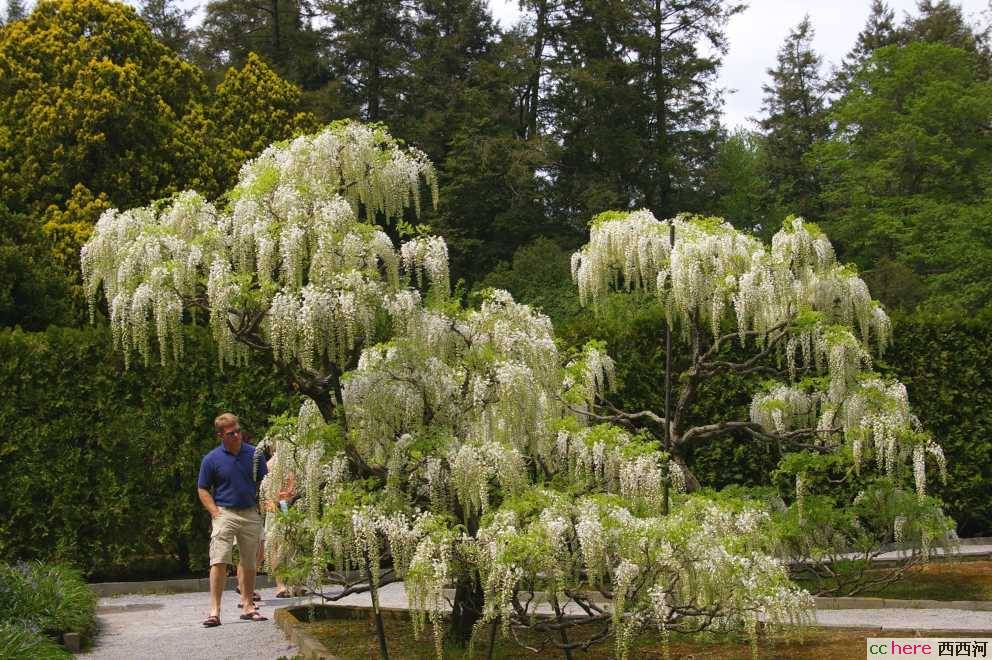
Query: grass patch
[
  {"x": 42, "y": 601},
  {"x": 355, "y": 638},
  {"x": 17, "y": 641},
  {"x": 952, "y": 580}
]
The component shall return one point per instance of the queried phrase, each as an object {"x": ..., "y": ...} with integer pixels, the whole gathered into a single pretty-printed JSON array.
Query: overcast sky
[{"x": 756, "y": 35}]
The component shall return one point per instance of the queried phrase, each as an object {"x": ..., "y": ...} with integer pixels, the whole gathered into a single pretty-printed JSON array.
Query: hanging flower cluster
[
  {"x": 671, "y": 571},
  {"x": 589, "y": 375},
  {"x": 474, "y": 468},
  {"x": 487, "y": 378},
  {"x": 715, "y": 273},
  {"x": 426, "y": 262},
  {"x": 290, "y": 263}
]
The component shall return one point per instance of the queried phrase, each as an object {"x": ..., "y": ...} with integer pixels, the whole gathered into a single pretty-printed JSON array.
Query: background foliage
[
  {"x": 534, "y": 129},
  {"x": 113, "y": 454},
  {"x": 117, "y": 452}
]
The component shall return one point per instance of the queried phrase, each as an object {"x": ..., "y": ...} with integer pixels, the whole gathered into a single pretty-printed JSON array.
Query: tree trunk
[
  {"x": 537, "y": 61},
  {"x": 379, "y": 627},
  {"x": 276, "y": 35},
  {"x": 662, "y": 188},
  {"x": 562, "y": 635},
  {"x": 466, "y": 609}
]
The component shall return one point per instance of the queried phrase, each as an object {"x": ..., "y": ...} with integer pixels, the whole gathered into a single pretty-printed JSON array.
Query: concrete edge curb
[
  {"x": 855, "y": 603},
  {"x": 191, "y": 585},
  {"x": 308, "y": 646}
]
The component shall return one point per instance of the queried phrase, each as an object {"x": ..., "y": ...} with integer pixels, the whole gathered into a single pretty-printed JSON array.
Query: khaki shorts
[{"x": 245, "y": 525}]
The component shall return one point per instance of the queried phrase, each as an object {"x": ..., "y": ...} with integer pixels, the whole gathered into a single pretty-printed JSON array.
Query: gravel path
[
  {"x": 900, "y": 619},
  {"x": 169, "y": 626}
]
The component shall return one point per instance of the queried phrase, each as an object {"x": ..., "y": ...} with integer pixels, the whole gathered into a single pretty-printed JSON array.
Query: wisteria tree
[
  {"x": 462, "y": 450},
  {"x": 294, "y": 264},
  {"x": 807, "y": 324}
]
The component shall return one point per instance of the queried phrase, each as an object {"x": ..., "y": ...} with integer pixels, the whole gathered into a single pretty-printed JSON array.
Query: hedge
[
  {"x": 99, "y": 464},
  {"x": 946, "y": 365},
  {"x": 116, "y": 452}
]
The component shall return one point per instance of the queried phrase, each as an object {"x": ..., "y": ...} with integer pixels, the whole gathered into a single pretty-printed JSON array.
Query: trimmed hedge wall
[
  {"x": 947, "y": 368},
  {"x": 99, "y": 465}
]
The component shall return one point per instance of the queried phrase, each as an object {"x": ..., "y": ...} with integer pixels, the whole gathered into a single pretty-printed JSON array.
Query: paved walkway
[
  {"x": 899, "y": 619},
  {"x": 168, "y": 625},
  {"x": 971, "y": 550}
]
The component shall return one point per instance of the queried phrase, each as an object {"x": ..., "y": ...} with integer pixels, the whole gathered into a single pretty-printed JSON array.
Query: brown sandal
[
  {"x": 255, "y": 596},
  {"x": 254, "y": 615},
  {"x": 211, "y": 621}
]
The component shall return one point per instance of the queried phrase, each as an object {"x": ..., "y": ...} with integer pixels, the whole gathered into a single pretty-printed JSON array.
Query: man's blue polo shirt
[{"x": 230, "y": 476}]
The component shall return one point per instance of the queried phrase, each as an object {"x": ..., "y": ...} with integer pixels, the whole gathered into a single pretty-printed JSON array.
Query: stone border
[
  {"x": 191, "y": 585},
  {"x": 856, "y": 603},
  {"x": 309, "y": 646},
  {"x": 72, "y": 641}
]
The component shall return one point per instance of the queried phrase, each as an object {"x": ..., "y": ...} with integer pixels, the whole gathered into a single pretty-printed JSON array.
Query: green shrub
[
  {"x": 52, "y": 597},
  {"x": 116, "y": 452},
  {"x": 41, "y": 602},
  {"x": 19, "y": 642}
]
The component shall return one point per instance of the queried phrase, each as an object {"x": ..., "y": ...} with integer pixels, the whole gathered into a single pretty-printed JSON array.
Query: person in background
[
  {"x": 260, "y": 556},
  {"x": 228, "y": 489},
  {"x": 285, "y": 494}
]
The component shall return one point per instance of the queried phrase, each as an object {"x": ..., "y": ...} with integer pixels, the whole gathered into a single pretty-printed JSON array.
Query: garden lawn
[
  {"x": 352, "y": 639},
  {"x": 955, "y": 580}
]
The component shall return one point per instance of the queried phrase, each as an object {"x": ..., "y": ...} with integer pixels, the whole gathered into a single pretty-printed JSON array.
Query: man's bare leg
[
  {"x": 218, "y": 575},
  {"x": 247, "y": 580}
]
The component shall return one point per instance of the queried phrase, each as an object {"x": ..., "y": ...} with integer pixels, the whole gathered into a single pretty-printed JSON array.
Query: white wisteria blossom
[
  {"x": 790, "y": 315},
  {"x": 294, "y": 263}
]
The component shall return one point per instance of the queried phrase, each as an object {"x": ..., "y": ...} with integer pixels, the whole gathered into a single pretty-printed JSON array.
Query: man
[{"x": 228, "y": 470}]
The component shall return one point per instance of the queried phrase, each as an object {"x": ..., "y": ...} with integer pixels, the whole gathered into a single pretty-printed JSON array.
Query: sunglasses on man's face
[{"x": 232, "y": 433}]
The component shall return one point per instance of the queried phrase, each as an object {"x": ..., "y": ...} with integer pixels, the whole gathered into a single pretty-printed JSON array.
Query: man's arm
[
  {"x": 203, "y": 482},
  {"x": 208, "y": 502}
]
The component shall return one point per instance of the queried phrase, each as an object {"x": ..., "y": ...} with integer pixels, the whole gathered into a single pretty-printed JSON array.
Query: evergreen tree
[
  {"x": 459, "y": 107},
  {"x": 598, "y": 119},
  {"x": 879, "y": 30},
  {"x": 738, "y": 184},
  {"x": 680, "y": 81},
  {"x": 943, "y": 22},
  {"x": 449, "y": 38},
  {"x": 168, "y": 23},
  {"x": 249, "y": 109},
  {"x": 371, "y": 47},
  {"x": 796, "y": 120},
  {"x": 280, "y": 31},
  {"x": 630, "y": 99},
  {"x": 905, "y": 175},
  {"x": 93, "y": 110},
  {"x": 546, "y": 16},
  {"x": 16, "y": 10}
]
